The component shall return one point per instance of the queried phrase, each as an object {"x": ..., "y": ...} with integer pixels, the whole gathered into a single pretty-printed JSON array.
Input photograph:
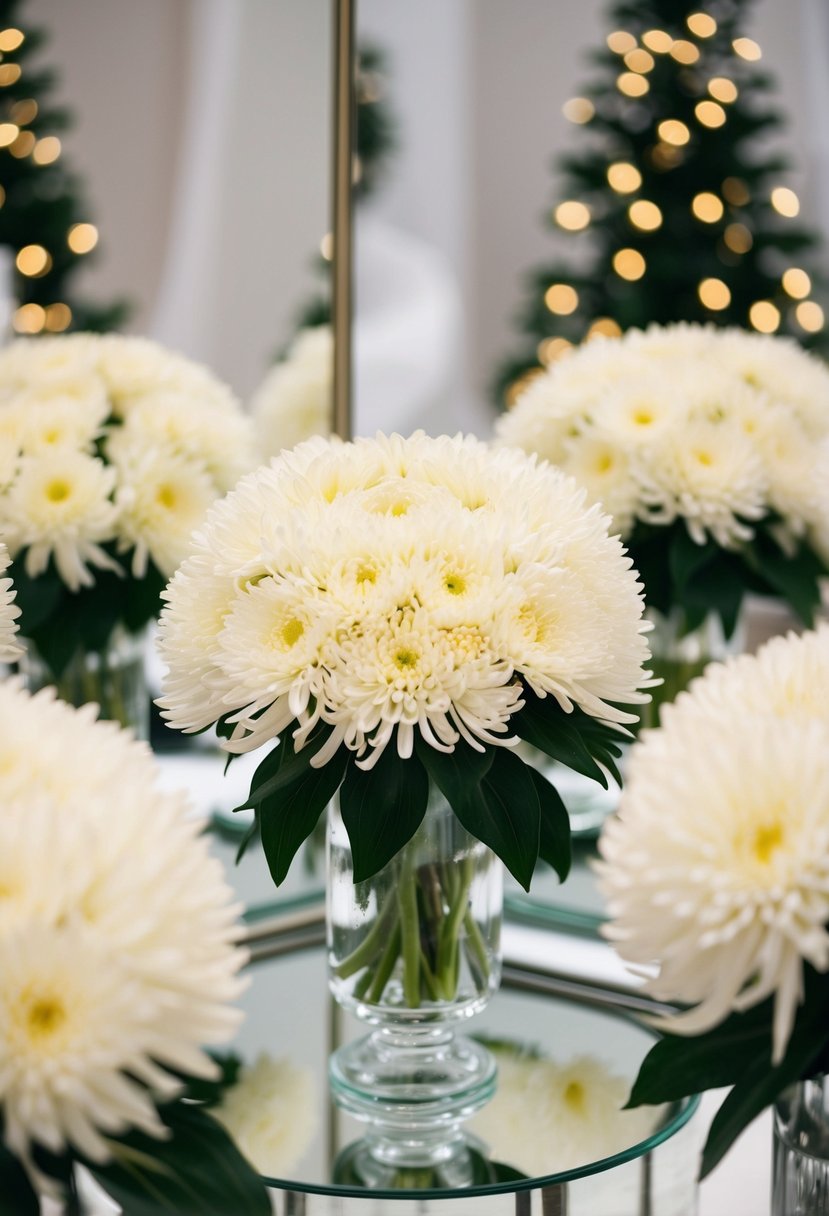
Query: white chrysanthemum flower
[
  {"x": 548, "y": 1117},
  {"x": 60, "y": 505},
  {"x": 633, "y": 420},
  {"x": 9, "y": 649},
  {"x": 716, "y": 869},
  {"x": 365, "y": 585},
  {"x": 294, "y": 400},
  {"x": 111, "y": 441},
  {"x": 117, "y": 956},
  {"x": 161, "y": 499},
  {"x": 271, "y": 1114}
]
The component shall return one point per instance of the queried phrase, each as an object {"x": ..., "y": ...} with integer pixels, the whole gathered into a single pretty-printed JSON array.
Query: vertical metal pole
[{"x": 342, "y": 220}]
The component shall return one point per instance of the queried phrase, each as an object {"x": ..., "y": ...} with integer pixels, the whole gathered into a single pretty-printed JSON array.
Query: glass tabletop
[{"x": 555, "y": 1126}]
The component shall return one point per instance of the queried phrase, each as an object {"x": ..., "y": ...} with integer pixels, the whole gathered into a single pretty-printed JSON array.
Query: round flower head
[
  {"x": 117, "y": 955},
  {"x": 293, "y": 402},
  {"x": 718, "y": 427},
  {"x": 271, "y": 1114},
  {"x": 716, "y": 869},
  {"x": 396, "y": 588},
  {"x": 9, "y": 650},
  {"x": 110, "y": 446}
]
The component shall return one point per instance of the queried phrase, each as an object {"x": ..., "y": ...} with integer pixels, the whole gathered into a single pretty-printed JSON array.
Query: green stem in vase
[
  {"x": 475, "y": 948},
  {"x": 460, "y": 879},
  {"x": 409, "y": 934},
  {"x": 372, "y": 944},
  {"x": 385, "y": 967}
]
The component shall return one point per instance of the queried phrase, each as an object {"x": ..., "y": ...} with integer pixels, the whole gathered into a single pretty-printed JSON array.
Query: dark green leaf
[
  {"x": 249, "y": 835},
  {"x": 292, "y": 800},
  {"x": 554, "y": 845},
  {"x": 686, "y": 557},
  {"x": 545, "y": 725},
  {"x": 495, "y": 799},
  {"x": 680, "y": 1065},
  {"x": 197, "y": 1172},
  {"x": 796, "y": 578},
  {"x": 382, "y": 809},
  {"x": 17, "y": 1196}
]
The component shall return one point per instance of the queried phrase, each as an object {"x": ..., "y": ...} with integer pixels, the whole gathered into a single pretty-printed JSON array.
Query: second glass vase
[{"x": 413, "y": 951}]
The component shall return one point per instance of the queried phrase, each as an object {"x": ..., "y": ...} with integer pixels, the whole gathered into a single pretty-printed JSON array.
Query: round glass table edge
[{"x": 682, "y": 1111}]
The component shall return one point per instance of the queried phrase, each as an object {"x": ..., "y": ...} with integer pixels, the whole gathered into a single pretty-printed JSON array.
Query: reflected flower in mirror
[
  {"x": 547, "y": 1117},
  {"x": 293, "y": 402},
  {"x": 271, "y": 1113}
]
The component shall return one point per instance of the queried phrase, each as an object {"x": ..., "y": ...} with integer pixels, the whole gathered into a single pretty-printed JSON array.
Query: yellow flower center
[
  {"x": 643, "y": 416},
  {"x": 366, "y": 574},
  {"x": 44, "y": 1017},
  {"x": 58, "y": 490},
  {"x": 604, "y": 463},
  {"x": 766, "y": 841},
  {"x": 574, "y": 1096},
  {"x": 53, "y": 435},
  {"x": 704, "y": 457},
  {"x": 292, "y": 631},
  {"x": 165, "y": 496},
  {"x": 406, "y": 658},
  {"x": 455, "y": 584}
]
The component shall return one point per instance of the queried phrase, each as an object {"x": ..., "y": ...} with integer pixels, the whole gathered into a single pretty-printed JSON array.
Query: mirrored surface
[{"x": 565, "y": 1070}]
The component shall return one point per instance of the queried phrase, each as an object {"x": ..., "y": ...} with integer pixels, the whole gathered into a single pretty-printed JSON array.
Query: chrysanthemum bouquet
[
  {"x": 710, "y": 449},
  {"x": 117, "y": 964},
  {"x": 111, "y": 451},
  {"x": 399, "y": 613},
  {"x": 293, "y": 402},
  {"x": 716, "y": 873},
  {"x": 9, "y": 648}
]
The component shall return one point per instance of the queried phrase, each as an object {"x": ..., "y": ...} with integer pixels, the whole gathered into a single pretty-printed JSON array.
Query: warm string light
[
  {"x": 707, "y": 207},
  {"x": 714, "y": 294},
  {"x": 24, "y": 111},
  {"x": 747, "y": 48},
  {"x": 658, "y": 41},
  {"x": 639, "y": 61},
  {"x": 604, "y": 327},
  {"x": 11, "y": 39},
  {"x": 665, "y": 157},
  {"x": 518, "y": 386},
  {"x": 551, "y": 349},
  {"x": 796, "y": 283},
  {"x": 623, "y": 177},
  {"x": 672, "y": 131},
  {"x": 632, "y": 85},
  {"x": 738, "y": 238},
  {"x": 9, "y": 132},
  {"x": 10, "y": 73},
  {"x": 701, "y": 25},
  {"x": 572, "y": 215},
  {"x": 809, "y": 316},
  {"x": 722, "y": 89},
  {"x": 684, "y": 52},
  {"x": 710, "y": 113},
  {"x": 735, "y": 191},
  {"x": 29, "y": 319},
  {"x": 578, "y": 109},
  {"x": 561, "y": 299},
  {"x": 645, "y": 215},
  {"x": 33, "y": 261},
  {"x": 82, "y": 238},
  {"x": 629, "y": 264},
  {"x": 46, "y": 150},
  {"x": 620, "y": 42},
  {"x": 785, "y": 202},
  {"x": 764, "y": 316},
  {"x": 58, "y": 318}
]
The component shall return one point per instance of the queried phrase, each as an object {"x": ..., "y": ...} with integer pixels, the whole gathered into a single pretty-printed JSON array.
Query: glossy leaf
[{"x": 382, "y": 809}]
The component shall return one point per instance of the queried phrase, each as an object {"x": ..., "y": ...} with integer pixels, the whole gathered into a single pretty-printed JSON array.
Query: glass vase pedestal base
[{"x": 414, "y": 1085}]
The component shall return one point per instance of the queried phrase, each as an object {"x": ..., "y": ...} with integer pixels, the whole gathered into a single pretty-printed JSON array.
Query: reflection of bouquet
[
  {"x": 717, "y": 871},
  {"x": 117, "y": 961},
  {"x": 112, "y": 450},
  {"x": 400, "y": 612},
  {"x": 548, "y": 1117},
  {"x": 270, "y": 1113},
  {"x": 710, "y": 449},
  {"x": 293, "y": 402}
]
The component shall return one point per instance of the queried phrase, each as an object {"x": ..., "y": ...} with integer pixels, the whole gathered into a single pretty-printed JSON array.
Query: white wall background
[{"x": 220, "y": 266}]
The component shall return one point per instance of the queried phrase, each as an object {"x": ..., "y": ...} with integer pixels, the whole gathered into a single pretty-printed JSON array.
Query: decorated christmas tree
[
  {"x": 675, "y": 210},
  {"x": 44, "y": 217}
]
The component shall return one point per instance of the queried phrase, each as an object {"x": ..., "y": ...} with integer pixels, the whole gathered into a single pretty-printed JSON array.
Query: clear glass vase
[
  {"x": 413, "y": 951},
  {"x": 800, "y": 1169},
  {"x": 114, "y": 678},
  {"x": 679, "y": 656}
]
